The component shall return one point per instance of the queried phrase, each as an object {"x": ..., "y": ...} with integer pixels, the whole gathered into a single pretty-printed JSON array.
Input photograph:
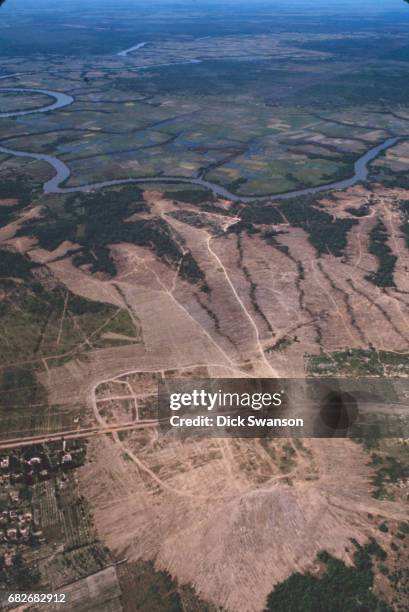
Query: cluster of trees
[
  {"x": 190, "y": 196},
  {"x": 389, "y": 470},
  {"x": 190, "y": 270},
  {"x": 19, "y": 387},
  {"x": 325, "y": 234},
  {"x": 378, "y": 246},
  {"x": 13, "y": 189},
  {"x": 14, "y": 265},
  {"x": 404, "y": 206},
  {"x": 19, "y": 575},
  {"x": 339, "y": 589},
  {"x": 97, "y": 220}
]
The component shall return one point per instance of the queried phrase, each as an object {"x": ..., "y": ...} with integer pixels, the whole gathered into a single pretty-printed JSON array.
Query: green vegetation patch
[
  {"x": 17, "y": 194},
  {"x": 361, "y": 211},
  {"x": 191, "y": 196},
  {"x": 213, "y": 78},
  {"x": 38, "y": 322},
  {"x": 339, "y": 589},
  {"x": 359, "y": 362},
  {"x": 26, "y": 411},
  {"x": 189, "y": 270},
  {"x": 354, "y": 47},
  {"x": 197, "y": 220},
  {"x": 19, "y": 575},
  {"x": 270, "y": 236},
  {"x": 325, "y": 234},
  {"x": 282, "y": 344},
  {"x": 14, "y": 266},
  {"x": 94, "y": 221},
  {"x": 19, "y": 388},
  {"x": 273, "y": 170},
  {"x": 81, "y": 561},
  {"x": 12, "y": 101},
  {"x": 367, "y": 85},
  {"x": 389, "y": 470},
  {"x": 287, "y": 459},
  {"x": 145, "y": 588},
  {"x": 378, "y": 246},
  {"x": 404, "y": 206}
]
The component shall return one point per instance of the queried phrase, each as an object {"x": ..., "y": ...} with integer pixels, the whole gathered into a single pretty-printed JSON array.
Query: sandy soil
[{"x": 216, "y": 514}]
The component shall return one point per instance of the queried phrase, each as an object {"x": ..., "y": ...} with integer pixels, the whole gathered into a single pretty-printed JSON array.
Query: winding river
[
  {"x": 131, "y": 49},
  {"x": 62, "y": 172},
  {"x": 61, "y": 100}
]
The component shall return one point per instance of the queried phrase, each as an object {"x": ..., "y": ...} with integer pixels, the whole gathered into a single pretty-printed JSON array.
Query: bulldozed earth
[
  {"x": 243, "y": 290},
  {"x": 233, "y": 518}
]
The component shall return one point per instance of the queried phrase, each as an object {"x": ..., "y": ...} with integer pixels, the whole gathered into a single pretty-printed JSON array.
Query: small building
[
  {"x": 34, "y": 461},
  {"x": 24, "y": 532},
  {"x": 11, "y": 534}
]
